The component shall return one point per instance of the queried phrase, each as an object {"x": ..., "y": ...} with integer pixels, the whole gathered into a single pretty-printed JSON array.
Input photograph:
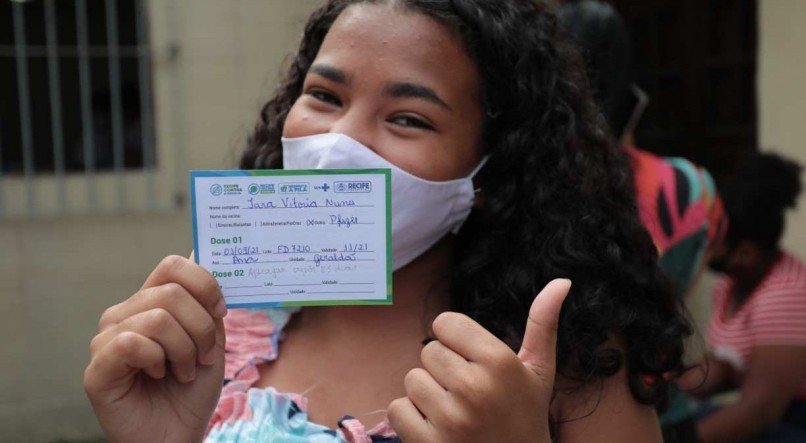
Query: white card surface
[{"x": 295, "y": 238}]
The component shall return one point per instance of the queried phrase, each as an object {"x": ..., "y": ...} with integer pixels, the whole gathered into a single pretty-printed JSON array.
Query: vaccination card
[{"x": 281, "y": 238}]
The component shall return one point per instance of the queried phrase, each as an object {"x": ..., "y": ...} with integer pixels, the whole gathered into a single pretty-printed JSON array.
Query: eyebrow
[
  {"x": 396, "y": 90},
  {"x": 413, "y": 90},
  {"x": 331, "y": 73}
]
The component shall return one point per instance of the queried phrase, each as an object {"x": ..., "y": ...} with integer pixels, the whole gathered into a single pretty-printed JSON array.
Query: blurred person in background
[
  {"x": 757, "y": 331},
  {"x": 677, "y": 200}
]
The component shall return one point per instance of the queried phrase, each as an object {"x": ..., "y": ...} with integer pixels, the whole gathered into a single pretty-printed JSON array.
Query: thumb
[{"x": 538, "y": 351}]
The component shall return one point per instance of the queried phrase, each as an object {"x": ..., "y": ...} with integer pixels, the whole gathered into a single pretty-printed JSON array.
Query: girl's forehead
[
  {"x": 369, "y": 37},
  {"x": 394, "y": 22}
]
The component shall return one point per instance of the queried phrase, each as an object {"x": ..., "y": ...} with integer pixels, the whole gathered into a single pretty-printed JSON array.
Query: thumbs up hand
[{"x": 473, "y": 388}]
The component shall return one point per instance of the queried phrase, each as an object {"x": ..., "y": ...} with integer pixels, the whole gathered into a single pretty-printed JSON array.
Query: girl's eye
[
  {"x": 325, "y": 97},
  {"x": 411, "y": 122}
]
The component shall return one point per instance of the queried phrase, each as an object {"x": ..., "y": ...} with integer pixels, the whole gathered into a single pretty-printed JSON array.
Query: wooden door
[{"x": 697, "y": 61}]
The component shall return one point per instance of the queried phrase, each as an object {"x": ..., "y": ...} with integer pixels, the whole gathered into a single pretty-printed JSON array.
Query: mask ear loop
[{"x": 478, "y": 169}]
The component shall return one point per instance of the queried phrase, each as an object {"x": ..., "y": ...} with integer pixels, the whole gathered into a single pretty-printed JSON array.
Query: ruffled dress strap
[{"x": 248, "y": 414}]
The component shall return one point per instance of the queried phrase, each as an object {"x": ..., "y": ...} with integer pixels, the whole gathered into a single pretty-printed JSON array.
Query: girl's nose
[{"x": 356, "y": 126}]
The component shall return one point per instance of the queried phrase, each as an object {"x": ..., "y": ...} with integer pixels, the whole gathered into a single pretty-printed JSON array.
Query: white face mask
[{"x": 423, "y": 211}]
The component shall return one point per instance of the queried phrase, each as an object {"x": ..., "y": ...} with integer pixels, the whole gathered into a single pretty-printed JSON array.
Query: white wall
[
  {"x": 57, "y": 275},
  {"x": 782, "y": 95}
]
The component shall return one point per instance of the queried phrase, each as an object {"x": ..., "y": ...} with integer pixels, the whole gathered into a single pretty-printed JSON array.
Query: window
[
  {"x": 697, "y": 61},
  {"x": 75, "y": 90}
]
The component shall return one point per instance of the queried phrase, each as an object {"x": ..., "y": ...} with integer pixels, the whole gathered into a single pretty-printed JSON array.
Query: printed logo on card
[
  {"x": 353, "y": 187},
  {"x": 295, "y": 188},
  {"x": 264, "y": 189}
]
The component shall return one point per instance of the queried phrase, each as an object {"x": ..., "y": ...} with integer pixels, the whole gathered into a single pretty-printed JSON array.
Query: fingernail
[
  {"x": 208, "y": 358},
  {"x": 566, "y": 282},
  {"x": 192, "y": 374},
  {"x": 220, "y": 309}
]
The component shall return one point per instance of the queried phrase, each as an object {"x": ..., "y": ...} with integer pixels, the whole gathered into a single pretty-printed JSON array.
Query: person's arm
[
  {"x": 769, "y": 386},
  {"x": 710, "y": 377}
]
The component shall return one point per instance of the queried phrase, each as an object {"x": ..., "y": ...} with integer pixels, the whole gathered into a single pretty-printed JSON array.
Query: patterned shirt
[{"x": 679, "y": 206}]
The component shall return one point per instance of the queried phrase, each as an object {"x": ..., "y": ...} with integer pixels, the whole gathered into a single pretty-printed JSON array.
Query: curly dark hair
[
  {"x": 558, "y": 196},
  {"x": 757, "y": 196}
]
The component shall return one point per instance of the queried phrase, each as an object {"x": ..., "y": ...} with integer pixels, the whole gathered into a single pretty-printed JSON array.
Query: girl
[{"x": 435, "y": 90}]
